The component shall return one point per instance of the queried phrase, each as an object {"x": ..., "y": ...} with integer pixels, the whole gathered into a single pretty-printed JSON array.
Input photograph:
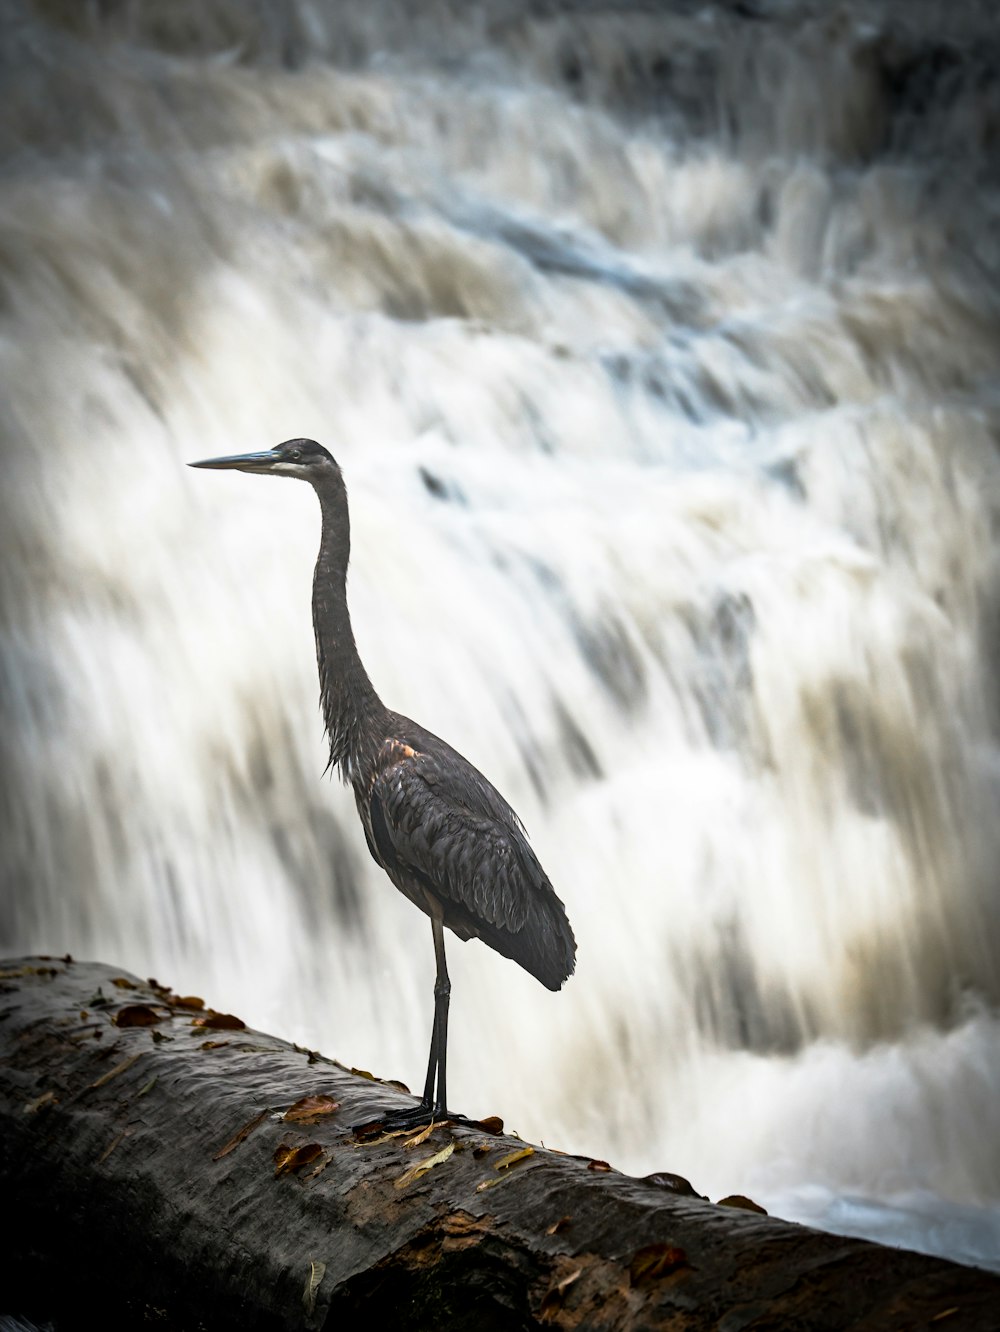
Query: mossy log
[{"x": 163, "y": 1166}]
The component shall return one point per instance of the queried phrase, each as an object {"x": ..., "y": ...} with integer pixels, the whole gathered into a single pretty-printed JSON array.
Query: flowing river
[{"x": 659, "y": 346}]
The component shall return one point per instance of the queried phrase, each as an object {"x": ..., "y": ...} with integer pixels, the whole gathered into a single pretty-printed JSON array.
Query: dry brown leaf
[
  {"x": 482, "y": 1149},
  {"x": 241, "y": 1136},
  {"x": 557, "y": 1227},
  {"x": 316, "y": 1273},
  {"x": 46, "y": 1098},
  {"x": 137, "y": 1015},
  {"x": 213, "y": 1045},
  {"x": 220, "y": 1021},
  {"x": 655, "y": 1260},
  {"x": 124, "y": 983},
  {"x": 422, "y": 1167},
  {"x": 745, "y": 1204},
  {"x": 492, "y": 1124},
  {"x": 601, "y": 1166},
  {"x": 512, "y": 1158},
  {"x": 422, "y": 1135},
  {"x": 310, "y": 1109},
  {"x": 190, "y": 1001},
  {"x": 666, "y": 1179},
  {"x": 118, "y": 1068},
  {"x": 553, "y": 1301},
  {"x": 288, "y": 1158},
  {"x": 111, "y": 1147},
  {"x": 363, "y": 1073},
  {"x": 492, "y": 1183}
]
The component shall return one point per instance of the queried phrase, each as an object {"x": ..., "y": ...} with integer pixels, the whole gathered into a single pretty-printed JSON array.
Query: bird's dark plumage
[
  {"x": 437, "y": 827},
  {"x": 443, "y": 834}
]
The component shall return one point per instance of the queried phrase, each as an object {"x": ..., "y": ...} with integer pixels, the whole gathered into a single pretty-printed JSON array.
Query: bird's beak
[{"x": 242, "y": 462}]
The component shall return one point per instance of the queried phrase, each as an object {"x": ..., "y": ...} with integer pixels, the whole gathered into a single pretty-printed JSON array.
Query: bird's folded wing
[{"x": 461, "y": 853}]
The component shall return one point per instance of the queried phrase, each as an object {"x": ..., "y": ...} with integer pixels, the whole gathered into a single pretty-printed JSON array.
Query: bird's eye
[{"x": 296, "y": 455}]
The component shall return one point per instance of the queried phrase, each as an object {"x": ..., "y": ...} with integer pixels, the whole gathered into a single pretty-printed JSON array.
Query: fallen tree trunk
[{"x": 164, "y": 1165}]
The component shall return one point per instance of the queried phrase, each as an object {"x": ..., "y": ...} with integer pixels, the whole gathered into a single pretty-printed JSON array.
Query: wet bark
[{"x": 156, "y": 1175}]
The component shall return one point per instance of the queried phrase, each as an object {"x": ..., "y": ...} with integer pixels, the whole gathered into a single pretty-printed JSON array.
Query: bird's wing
[{"x": 431, "y": 823}]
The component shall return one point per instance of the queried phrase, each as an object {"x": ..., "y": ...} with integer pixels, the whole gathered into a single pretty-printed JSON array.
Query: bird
[{"x": 444, "y": 835}]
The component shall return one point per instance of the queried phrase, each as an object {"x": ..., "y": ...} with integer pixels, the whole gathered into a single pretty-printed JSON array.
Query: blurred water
[{"x": 659, "y": 353}]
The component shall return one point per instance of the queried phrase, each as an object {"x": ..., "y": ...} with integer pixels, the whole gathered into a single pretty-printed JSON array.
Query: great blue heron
[{"x": 444, "y": 835}]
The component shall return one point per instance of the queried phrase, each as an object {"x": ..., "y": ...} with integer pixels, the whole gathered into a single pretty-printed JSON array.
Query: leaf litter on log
[
  {"x": 288, "y": 1158},
  {"x": 221, "y": 1021},
  {"x": 241, "y": 1135},
  {"x": 311, "y": 1109},
  {"x": 654, "y": 1261},
  {"x": 422, "y": 1167},
  {"x": 138, "y": 1015}
]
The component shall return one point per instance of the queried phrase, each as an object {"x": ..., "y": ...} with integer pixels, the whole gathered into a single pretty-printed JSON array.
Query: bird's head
[{"x": 302, "y": 458}]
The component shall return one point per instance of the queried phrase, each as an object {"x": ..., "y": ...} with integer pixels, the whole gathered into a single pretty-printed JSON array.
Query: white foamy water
[{"x": 660, "y": 357}]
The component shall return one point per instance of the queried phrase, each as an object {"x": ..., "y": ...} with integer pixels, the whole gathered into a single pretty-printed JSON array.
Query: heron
[{"x": 439, "y": 829}]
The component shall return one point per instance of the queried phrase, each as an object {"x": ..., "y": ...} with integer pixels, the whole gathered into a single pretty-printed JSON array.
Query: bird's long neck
[{"x": 351, "y": 707}]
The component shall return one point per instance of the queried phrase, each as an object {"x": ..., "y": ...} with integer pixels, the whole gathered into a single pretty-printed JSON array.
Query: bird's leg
[
  {"x": 439, "y": 1040},
  {"x": 434, "y": 1102}
]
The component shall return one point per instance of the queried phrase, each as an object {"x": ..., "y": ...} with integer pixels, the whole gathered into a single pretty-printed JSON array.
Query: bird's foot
[{"x": 416, "y": 1116}]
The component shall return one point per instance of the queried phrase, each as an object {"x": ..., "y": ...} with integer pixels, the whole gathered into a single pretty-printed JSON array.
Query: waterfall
[{"x": 659, "y": 353}]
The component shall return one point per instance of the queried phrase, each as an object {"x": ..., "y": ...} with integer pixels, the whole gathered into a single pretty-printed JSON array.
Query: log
[{"x": 165, "y": 1166}]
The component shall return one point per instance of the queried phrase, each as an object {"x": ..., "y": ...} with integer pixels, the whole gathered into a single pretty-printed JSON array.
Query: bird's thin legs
[
  {"x": 438, "y": 1057},
  {"x": 434, "y": 1102},
  {"x": 439, "y": 1039}
]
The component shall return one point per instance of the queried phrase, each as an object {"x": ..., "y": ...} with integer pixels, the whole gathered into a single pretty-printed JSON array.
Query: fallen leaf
[
  {"x": 124, "y": 983},
  {"x": 421, "y": 1137},
  {"x": 187, "y": 1001},
  {"x": 118, "y": 1068},
  {"x": 213, "y": 1045},
  {"x": 492, "y": 1182},
  {"x": 46, "y": 1098},
  {"x": 554, "y": 1296},
  {"x": 601, "y": 1166},
  {"x": 512, "y": 1158},
  {"x": 557, "y": 1227},
  {"x": 319, "y": 1167},
  {"x": 655, "y": 1260},
  {"x": 422, "y": 1167},
  {"x": 309, "y": 1109},
  {"x": 363, "y": 1073},
  {"x": 316, "y": 1273},
  {"x": 149, "y": 1086},
  {"x": 287, "y": 1158},
  {"x": 241, "y": 1136},
  {"x": 738, "y": 1200},
  {"x": 137, "y": 1015},
  {"x": 222, "y": 1021},
  {"x": 666, "y": 1179},
  {"x": 111, "y": 1147},
  {"x": 482, "y": 1149},
  {"x": 492, "y": 1124}
]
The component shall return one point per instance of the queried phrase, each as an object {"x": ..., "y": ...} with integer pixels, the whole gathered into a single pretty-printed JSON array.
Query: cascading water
[{"x": 659, "y": 352}]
